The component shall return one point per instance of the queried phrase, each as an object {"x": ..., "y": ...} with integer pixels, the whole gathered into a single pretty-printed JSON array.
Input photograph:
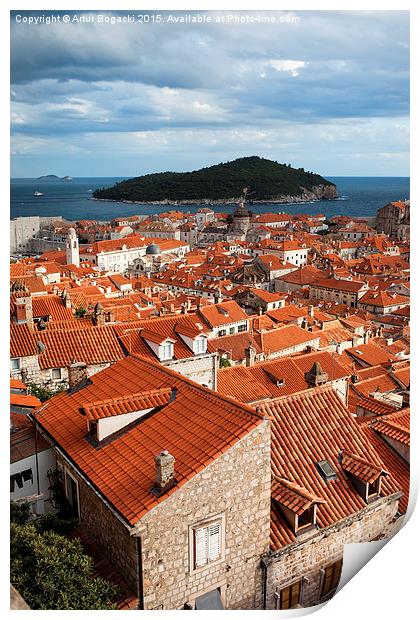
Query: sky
[{"x": 327, "y": 91}]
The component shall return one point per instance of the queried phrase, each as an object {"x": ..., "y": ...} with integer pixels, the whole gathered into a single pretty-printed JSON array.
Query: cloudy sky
[{"x": 329, "y": 93}]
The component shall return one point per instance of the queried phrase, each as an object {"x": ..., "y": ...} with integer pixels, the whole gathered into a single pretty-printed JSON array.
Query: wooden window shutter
[
  {"x": 201, "y": 546},
  {"x": 215, "y": 531}
]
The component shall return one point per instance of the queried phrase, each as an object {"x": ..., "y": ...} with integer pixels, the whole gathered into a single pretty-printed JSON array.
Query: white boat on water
[{"x": 37, "y": 194}]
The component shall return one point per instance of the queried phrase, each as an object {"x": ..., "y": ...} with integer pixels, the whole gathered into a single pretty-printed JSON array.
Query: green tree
[
  {"x": 40, "y": 392},
  {"x": 53, "y": 572},
  {"x": 80, "y": 312},
  {"x": 224, "y": 363},
  {"x": 19, "y": 513}
]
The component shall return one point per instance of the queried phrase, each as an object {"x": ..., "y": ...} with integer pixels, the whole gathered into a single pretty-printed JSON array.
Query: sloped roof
[
  {"x": 293, "y": 496},
  {"x": 307, "y": 428},
  {"x": 126, "y": 404},
  {"x": 223, "y": 314},
  {"x": 97, "y": 345},
  {"x": 196, "y": 427}
]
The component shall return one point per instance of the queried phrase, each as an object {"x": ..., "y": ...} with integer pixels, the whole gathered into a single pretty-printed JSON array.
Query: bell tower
[{"x": 72, "y": 248}]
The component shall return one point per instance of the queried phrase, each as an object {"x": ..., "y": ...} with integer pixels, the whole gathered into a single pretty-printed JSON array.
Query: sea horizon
[{"x": 71, "y": 199}]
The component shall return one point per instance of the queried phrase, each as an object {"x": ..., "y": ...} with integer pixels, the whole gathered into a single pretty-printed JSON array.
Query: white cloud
[{"x": 290, "y": 66}]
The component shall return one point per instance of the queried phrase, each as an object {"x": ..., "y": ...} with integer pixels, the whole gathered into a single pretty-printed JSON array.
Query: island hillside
[{"x": 267, "y": 181}]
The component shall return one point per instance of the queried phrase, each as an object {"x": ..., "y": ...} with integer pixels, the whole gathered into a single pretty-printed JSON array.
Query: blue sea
[{"x": 358, "y": 197}]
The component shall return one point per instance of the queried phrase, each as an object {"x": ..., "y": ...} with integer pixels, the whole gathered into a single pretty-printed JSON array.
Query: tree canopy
[
  {"x": 51, "y": 571},
  {"x": 264, "y": 180}
]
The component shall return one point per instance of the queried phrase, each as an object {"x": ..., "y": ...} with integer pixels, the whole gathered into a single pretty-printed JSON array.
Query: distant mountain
[
  {"x": 267, "y": 181},
  {"x": 54, "y": 177}
]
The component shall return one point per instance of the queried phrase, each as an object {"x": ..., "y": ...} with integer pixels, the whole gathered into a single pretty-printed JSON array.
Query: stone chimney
[
  {"x": 250, "y": 353},
  {"x": 98, "y": 314},
  {"x": 165, "y": 472},
  {"x": 316, "y": 376},
  {"x": 24, "y": 310},
  {"x": 77, "y": 373},
  {"x": 366, "y": 337},
  {"x": 311, "y": 310},
  {"x": 67, "y": 300}
]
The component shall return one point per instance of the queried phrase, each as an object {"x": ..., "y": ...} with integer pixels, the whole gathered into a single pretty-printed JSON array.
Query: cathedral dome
[{"x": 153, "y": 249}]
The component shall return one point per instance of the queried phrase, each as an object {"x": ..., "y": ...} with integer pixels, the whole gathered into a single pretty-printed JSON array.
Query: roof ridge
[
  {"x": 201, "y": 388},
  {"x": 163, "y": 390},
  {"x": 307, "y": 392}
]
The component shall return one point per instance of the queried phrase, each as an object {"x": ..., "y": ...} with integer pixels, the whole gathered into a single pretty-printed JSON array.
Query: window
[
  {"x": 332, "y": 574},
  {"x": 15, "y": 363},
  {"x": 242, "y": 327},
  {"x": 222, "y": 332},
  {"x": 200, "y": 345},
  {"x": 207, "y": 543},
  {"x": 231, "y": 330},
  {"x": 289, "y": 597},
  {"x": 167, "y": 351},
  {"x": 72, "y": 493},
  {"x": 56, "y": 374}
]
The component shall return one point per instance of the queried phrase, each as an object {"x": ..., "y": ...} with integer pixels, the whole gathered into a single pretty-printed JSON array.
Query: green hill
[{"x": 266, "y": 181}]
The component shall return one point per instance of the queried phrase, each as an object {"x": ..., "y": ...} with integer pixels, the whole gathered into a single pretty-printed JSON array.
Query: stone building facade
[
  {"x": 155, "y": 556},
  {"x": 394, "y": 219},
  {"x": 305, "y": 561}
]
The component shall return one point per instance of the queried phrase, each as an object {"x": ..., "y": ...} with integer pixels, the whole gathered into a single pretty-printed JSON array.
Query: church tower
[
  {"x": 241, "y": 217},
  {"x": 72, "y": 248}
]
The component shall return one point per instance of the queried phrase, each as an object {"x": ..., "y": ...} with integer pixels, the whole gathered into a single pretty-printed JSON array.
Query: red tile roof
[
  {"x": 223, "y": 314},
  {"x": 126, "y": 404},
  {"x": 375, "y": 406},
  {"x": 277, "y": 377},
  {"x": 371, "y": 355},
  {"x": 396, "y": 426},
  {"x": 359, "y": 467},
  {"x": 307, "y": 428},
  {"x": 23, "y": 442},
  {"x": 293, "y": 496},
  {"x": 351, "y": 286},
  {"x": 196, "y": 427},
  {"x": 24, "y": 400},
  {"x": 97, "y": 345},
  {"x": 283, "y": 337}
]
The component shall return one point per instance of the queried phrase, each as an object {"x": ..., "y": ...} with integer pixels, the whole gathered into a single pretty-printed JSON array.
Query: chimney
[
  {"x": 316, "y": 376},
  {"x": 366, "y": 337},
  {"x": 98, "y": 314},
  {"x": 164, "y": 471},
  {"x": 250, "y": 354},
  {"x": 24, "y": 310},
  {"x": 311, "y": 310},
  {"x": 77, "y": 374},
  {"x": 67, "y": 300}
]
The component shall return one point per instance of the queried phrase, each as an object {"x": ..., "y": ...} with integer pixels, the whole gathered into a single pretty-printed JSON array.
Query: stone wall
[
  {"x": 307, "y": 557},
  {"x": 106, "y": 530},
  {"x": 237, "y": 486},
  {"x": 201, "y": 368}
]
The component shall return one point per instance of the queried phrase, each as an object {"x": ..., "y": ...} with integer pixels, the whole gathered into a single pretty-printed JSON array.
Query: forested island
[{"x": 266, "y": 180}]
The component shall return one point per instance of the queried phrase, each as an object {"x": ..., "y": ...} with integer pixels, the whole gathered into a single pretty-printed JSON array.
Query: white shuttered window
[{"x": 207, "y": 544}]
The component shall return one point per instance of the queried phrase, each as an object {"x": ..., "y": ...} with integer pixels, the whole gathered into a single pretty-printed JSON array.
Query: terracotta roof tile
[
  {"x": 196, "y": 427},
  {"x": 293, "y": 496},
  {"x": 307, "y": 428},
  {"x": 24, "y": 400},
  {"x": 359, "y": 467},
  {"x": 223, "y": 314},
  {"x": 126, "y": 404},
  {"x": 97, "y": 345},
  {"x": 395, "y": 425}
]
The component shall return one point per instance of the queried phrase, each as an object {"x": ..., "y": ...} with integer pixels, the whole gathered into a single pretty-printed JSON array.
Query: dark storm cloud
[{"x": 73, "y": 79}]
